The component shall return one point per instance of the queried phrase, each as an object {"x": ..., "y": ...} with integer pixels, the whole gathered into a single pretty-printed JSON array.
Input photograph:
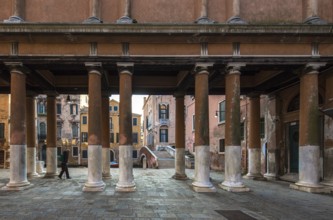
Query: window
[
  {"x": 135, "y": 154},
  {"x": 164, "y": 111},
  {"x": 2, "y": 130},
  {"x": 75, "y": 151},
  {"x": 115, "y": 108},
  {"x": 111, "y": 137},
  {"x": 117, "y": 138},
  {"x": 84, "y": 136},
  {"x": 58, "y": 109},
  {"x": 110, "y": 108},
  {"x": 84, "y": 154},
  {"x": 58, "y": 131},
  {"x": 242, "y": 131},
  {"x": 262, "y": 127},
  {"x": 111, "y": 124},
  {"x": 135, "y": 121},
  {"x": 75, "y": 130},
  {"x": 41, "y": 108},
  {"x": 163, "y": 135},
  {"x": 221, "y": 146},
  {"x": 84, "y": 120},
  {"x": 135, "y": 138},
  {"x": 73, "y": 109},
  {"x": 193, "y": 122},
  {"x": 42, "y": 130},
  {"x": 221, "y": 111},
  {"x": 58, "y": 151}
]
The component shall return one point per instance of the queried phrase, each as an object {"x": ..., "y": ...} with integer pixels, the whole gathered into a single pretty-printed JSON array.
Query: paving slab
[{"x": 158, "y": 196}]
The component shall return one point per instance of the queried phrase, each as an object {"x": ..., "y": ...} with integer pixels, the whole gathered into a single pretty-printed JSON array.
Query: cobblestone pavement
[{"x": 158, "y": 196}]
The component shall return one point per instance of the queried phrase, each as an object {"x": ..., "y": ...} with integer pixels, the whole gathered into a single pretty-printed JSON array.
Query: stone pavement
[{"x": 158, "y": 196}]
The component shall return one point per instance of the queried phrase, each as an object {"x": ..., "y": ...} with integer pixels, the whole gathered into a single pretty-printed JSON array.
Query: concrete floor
[{"x": 158, "y": 196}]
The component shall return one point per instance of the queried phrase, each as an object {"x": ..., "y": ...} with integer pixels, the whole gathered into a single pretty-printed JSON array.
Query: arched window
[
  {"x": 164, "y": 111},
  {"x": 293, "y": 104}
]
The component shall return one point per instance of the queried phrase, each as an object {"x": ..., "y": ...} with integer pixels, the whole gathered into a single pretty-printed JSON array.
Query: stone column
[
  {"x": 309, "y": 170},
  {"x": 126, "y": 179},
  {"x": 203, "y": 19},
  {"x": 311, "y": 13},
  {"x": 31, "y": 136},
  {"x": 235, "y": 18},
  {"x": 180, "y": 139},
  {"x": 105, "y": 136},
  {"x": 95, "y": 11},
  {"x": 94, "y": 182},
  {"x": 18, "y": 147},
  {"x": 202, "y": 156},
  {"x": 51, "y": 137},
  {"x": 18, "y": 12},
  {"x": 126, "y": 18},
  {"x": 233, "y": 149},
  {"x": 272, "y": 120},
  {"x": 254, "y": 150}
]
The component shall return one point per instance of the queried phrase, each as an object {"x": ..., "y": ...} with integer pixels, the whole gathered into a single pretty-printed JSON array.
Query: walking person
[{"x": 64, "y": 167}]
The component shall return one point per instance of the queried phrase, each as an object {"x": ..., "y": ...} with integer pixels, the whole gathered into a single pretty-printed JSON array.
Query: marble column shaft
[
  {"x": 180, "y": 139},
  {"x": 18, "y": 147},
  {"x": 51, "y": 138},
  {"x": 202, "y": 155},
  {"x": 126, "y": 179},
  {"x": 94, "y": 182},
  {"x": 233, "y": 152},
  {"x": 254, "y": 153},
  {"x": 31, "y": 136},
  {"x": 105, "y": 137}
]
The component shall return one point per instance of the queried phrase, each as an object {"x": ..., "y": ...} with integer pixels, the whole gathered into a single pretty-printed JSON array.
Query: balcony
[{"x": 164, "y": 122}]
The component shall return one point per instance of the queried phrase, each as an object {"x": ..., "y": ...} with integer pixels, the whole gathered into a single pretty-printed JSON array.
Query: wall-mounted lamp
[{"x": 68, "y": 99}]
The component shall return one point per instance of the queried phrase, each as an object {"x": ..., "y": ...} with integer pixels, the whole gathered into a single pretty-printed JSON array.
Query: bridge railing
[{"x": 151, "y": 158}]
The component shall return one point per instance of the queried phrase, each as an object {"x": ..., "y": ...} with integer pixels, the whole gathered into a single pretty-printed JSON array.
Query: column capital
[
  {"x": 125, "y": 67},
  {"x": 17, "y": 67},
  {"x": 51, "y": 93},
  {"x": 94, "y": 67},
  {"x": 202, "y": 67},
  {"x": 31, "y": 94},
  {"x": 253, "y": 95},
  {"x": 179, "y": 94},
  {"x": 235, "y": 67},
  {"x": 313, "y": 67}
]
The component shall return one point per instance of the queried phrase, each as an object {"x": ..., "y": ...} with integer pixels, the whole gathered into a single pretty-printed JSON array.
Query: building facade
[
  {"x": 159, "y": 121},
  {"x": 114, "y": 133}
]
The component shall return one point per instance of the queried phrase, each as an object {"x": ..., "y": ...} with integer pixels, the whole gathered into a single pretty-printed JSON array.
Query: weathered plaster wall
[
  {"x": 5, "y": 9},
  {"x": 57, "y": 10},
  {"x": 167, "y": 11}
]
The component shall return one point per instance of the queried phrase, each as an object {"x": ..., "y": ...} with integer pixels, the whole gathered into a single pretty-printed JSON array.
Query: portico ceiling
[{"x": 164, "y": 56}]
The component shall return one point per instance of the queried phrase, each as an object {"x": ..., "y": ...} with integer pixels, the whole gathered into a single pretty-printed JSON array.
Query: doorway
[{"x": 293, "y": 147}]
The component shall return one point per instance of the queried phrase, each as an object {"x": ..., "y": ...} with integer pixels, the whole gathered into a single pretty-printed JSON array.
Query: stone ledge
[{"x": 324, "y": 190}]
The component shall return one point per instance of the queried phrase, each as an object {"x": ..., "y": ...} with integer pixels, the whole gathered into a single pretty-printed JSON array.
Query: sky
[{"x": 137, "y": 103}]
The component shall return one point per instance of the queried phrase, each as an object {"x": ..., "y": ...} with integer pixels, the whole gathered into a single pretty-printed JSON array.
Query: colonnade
[{"x": 22, "y": 130}]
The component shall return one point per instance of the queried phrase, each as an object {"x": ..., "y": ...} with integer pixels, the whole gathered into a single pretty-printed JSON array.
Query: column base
[
  {"x": 94, "y": 187},
  {"x": 310, "y": 189},
  {"x": 125, "y": 188},
  {"x": 178, "y": 176},
  {"x": 33, "y": 175},
  {"x": 328, "y": 184},
  {"x": 251, "y": 176},
  {"x": 270, "y": 176},
  {"x": 51, "y": 175},
  {"x": 203, "y": 189},
  {"x": 106, "y": 176},
  {"x": 17, "y": 186},
  {"x": 13, "y": 19},
  {"x": 234, "y": 187},
  {"x": 126, "y": 20}
]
